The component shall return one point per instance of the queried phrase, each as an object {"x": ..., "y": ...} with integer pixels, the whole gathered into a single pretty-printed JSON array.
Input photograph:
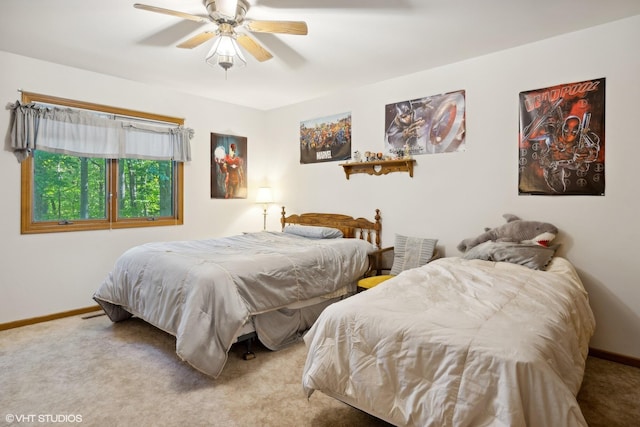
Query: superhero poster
[
  {"x": 435, "y": 124},
  {"x": 326, "y": 139},
  {"x": 228, "y": 167},
  {"x": 562, "y": 139}
]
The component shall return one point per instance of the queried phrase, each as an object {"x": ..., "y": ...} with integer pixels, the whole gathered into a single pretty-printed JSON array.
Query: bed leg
[{"x": 248, "y": 354}]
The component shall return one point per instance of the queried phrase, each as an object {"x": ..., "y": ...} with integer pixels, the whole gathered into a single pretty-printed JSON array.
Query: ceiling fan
[{"x": 228, "y": 16}]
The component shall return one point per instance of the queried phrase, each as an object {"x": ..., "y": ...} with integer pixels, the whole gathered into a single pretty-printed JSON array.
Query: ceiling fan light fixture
[
  {"x": 225, "y": 53},
  {"x": 228, "y": 15}
]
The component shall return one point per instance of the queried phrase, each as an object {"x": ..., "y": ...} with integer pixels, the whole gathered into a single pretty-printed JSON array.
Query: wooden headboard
[{"x": 360, "y": 228}]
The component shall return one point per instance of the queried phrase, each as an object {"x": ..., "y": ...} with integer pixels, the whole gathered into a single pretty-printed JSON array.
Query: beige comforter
[{"x": 458, "y": 343}]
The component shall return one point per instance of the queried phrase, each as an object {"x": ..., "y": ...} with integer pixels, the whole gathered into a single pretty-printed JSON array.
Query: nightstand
[
  {"x": 382, "y": 261},
  {"x": 379, "y": 261}
]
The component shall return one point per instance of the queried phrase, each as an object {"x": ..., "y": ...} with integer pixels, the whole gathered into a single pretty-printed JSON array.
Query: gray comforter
[{"x": 203, "y": 291}]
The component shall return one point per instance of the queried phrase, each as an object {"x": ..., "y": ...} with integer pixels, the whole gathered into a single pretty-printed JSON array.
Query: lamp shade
[
  {"x": 265, "y": 195},
  {"x": 225, "y": 52}
]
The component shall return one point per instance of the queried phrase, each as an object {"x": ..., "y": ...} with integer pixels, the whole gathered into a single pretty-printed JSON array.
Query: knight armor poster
[{"x": 561, "y": 140}]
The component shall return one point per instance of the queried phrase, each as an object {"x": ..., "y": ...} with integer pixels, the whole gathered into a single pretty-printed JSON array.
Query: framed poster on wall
[
  {"x": 429, "y": 125},
  {"x": 228, "y": 166},
  {"x": 562, "y": 138},
  {"x": 325, "y": 139}
]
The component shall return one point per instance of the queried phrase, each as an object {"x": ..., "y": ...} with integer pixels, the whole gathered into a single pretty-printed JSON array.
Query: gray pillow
[
  {"x": 533, "y": 256},
  {"x": 411, "y": 252},
  {"x": 313, "y": 231}
]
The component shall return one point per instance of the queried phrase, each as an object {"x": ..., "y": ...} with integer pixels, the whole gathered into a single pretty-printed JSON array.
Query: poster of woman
[{"x": 562, "y": 139}]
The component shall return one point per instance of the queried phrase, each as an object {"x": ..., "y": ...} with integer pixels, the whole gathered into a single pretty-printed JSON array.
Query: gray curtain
[{"x": 79, "y": 133}]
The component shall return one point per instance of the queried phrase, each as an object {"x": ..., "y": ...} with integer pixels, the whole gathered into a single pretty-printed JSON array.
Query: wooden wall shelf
[{"x": 381, "y": 167}]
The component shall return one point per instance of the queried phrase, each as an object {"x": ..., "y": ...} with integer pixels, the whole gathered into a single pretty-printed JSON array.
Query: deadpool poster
[{"x": 562, "y": 139}]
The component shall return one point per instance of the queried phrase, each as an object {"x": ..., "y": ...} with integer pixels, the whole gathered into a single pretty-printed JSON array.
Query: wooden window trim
[{"x": 27, "y": 226}]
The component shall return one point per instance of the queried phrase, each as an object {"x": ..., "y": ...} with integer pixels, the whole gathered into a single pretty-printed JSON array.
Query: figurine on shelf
[
  {"x": 357, "y": 157},
  {"x": 407, "y": 151}
]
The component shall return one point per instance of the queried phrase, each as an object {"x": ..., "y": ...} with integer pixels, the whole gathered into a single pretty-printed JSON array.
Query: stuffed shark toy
[{"x": 515, "y": 230}]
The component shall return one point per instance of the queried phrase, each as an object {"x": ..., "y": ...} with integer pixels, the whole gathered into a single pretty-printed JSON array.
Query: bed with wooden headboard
[
  {"x": 211, "y": 293},
  {"x": 350, "y": 227}
]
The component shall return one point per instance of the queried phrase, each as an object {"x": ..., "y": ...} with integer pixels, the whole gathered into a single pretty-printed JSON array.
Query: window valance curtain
[{"x": 79, "y": 133}]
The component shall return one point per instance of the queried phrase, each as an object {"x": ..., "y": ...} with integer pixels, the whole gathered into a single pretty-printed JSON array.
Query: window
[{"x": 65, "y": 192}]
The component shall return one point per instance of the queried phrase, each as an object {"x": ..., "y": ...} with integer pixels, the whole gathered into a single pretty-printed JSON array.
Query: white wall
[
  {"x": 454, "y": 196},
  {"x": 50, "y": 273},
  {"x": 451, "y": 197}
]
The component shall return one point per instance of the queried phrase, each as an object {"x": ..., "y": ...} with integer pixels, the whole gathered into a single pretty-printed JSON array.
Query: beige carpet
[{"x": 128, "y": 374}]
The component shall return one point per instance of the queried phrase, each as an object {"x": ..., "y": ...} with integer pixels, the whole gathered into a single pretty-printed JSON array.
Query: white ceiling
[{"x": 350, "y": 43}]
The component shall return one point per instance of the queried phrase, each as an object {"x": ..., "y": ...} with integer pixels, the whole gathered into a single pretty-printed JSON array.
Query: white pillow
[
  {"x": 411, "y": 252},
  {"x": 313, "y": 231}
]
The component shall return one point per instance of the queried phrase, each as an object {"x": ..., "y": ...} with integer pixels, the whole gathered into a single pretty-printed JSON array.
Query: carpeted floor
[{"x": 128, "y": 374}]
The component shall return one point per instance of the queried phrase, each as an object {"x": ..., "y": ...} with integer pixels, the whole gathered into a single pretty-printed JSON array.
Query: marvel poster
[
  {"x": 562, "y": 139},
  {"x": 435, "y": 124},
  {"x": 326, "y": 139},
  {"x": 228, "y": 167}
]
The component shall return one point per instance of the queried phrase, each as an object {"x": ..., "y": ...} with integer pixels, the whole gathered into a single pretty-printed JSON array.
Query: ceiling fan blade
[
  {"x": 252, "y": 46},
  {"x": 197, "y": 40},
  {"x": 171, "y": 12},
  {"x": 281, "y": 27}
]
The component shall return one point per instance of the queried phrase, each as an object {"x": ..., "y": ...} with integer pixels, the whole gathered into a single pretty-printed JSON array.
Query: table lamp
[{"x": 265, "y": 197}]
